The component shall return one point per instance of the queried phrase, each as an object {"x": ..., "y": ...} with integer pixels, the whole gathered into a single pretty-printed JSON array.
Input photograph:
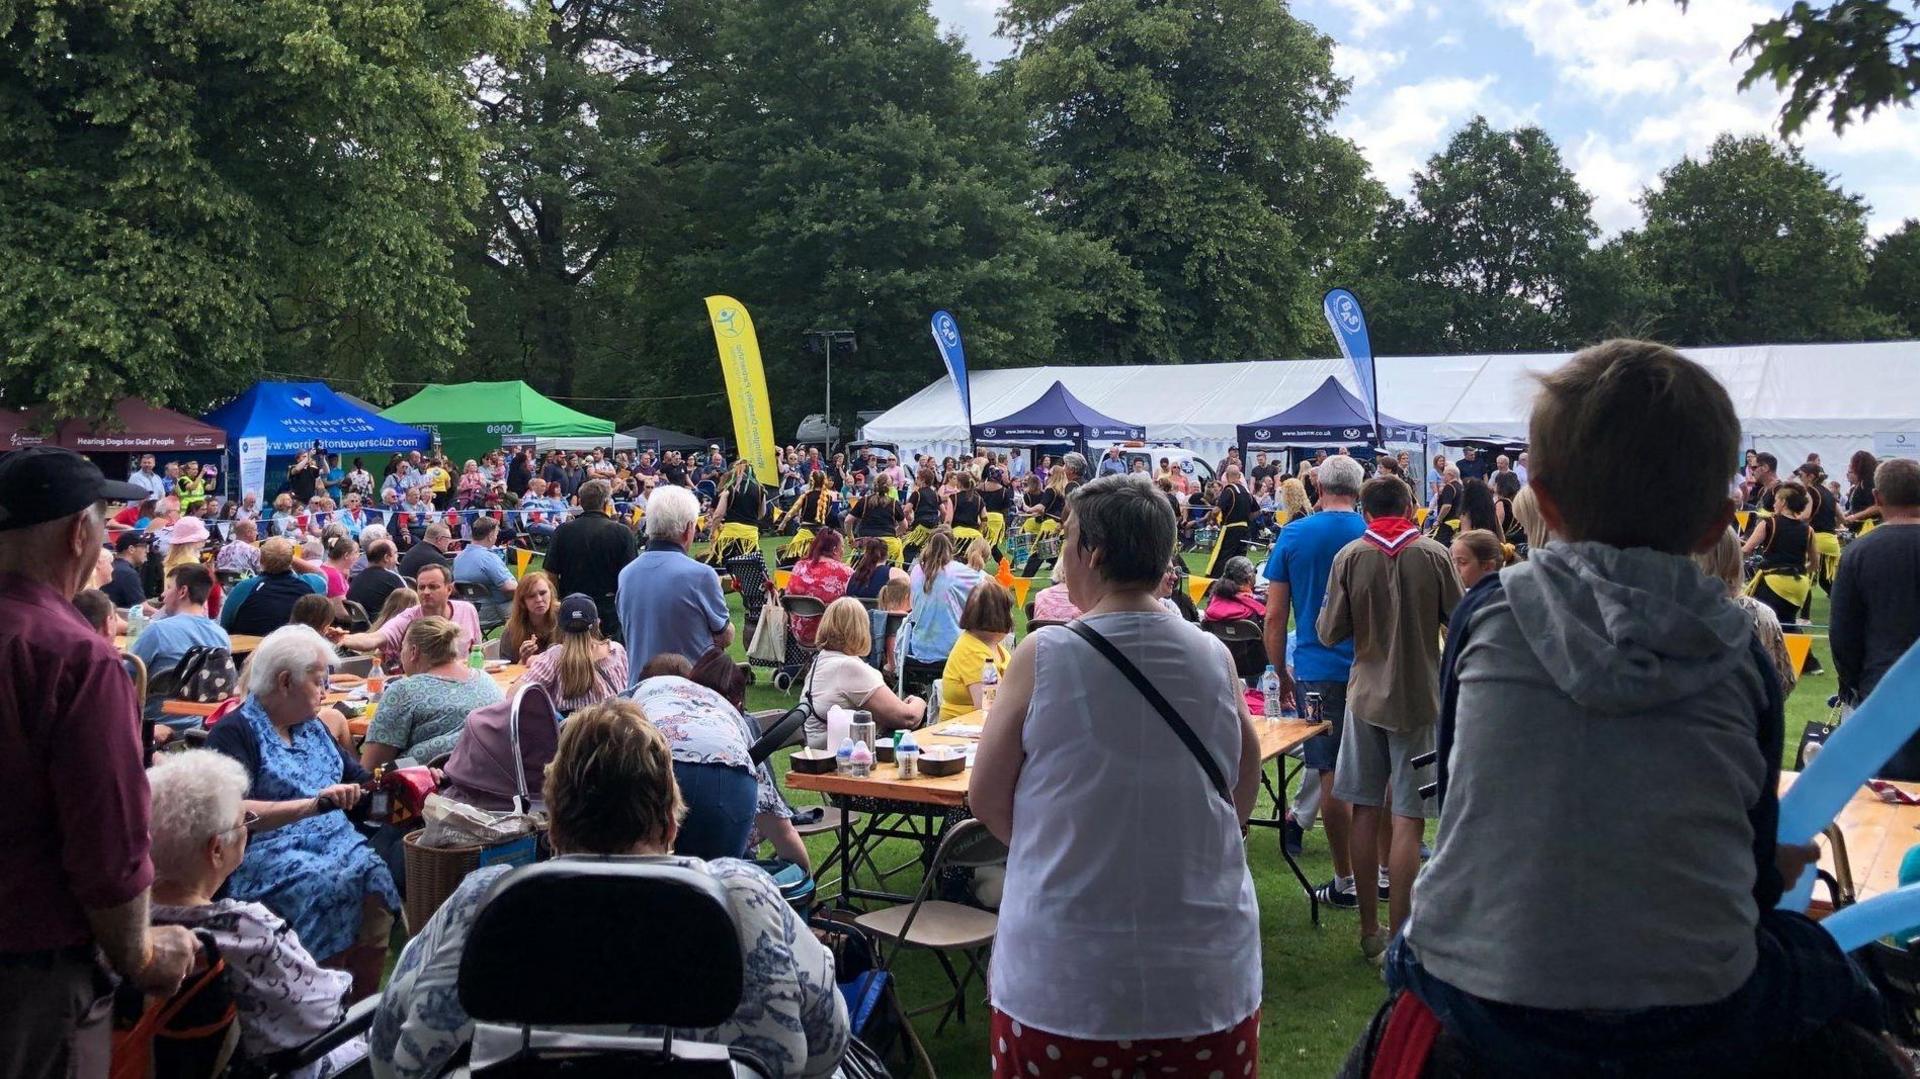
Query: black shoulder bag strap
[{"x": 1160, "y": 704}]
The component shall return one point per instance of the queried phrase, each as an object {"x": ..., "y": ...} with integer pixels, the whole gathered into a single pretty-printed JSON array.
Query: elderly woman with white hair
[
  {"x": 200, "y": 829},
  {"x": 307, "y": 863}
]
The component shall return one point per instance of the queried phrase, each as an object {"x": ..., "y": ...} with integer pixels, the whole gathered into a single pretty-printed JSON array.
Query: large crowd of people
[{"x": 1505, "y": 614}]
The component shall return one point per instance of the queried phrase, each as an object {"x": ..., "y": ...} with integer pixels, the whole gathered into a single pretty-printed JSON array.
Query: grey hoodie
[{"x": 1595, "y": 850}]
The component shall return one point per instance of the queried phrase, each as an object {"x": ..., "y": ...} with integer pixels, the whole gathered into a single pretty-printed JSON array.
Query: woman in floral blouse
[
  {"x": 283, "y": 996},
  {"x": 823, "y": 575},
  {"x": 610, "y": 792}
]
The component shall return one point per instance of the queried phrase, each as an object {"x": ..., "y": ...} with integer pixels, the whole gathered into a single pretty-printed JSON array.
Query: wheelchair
[{"x": 525, "y": 971}]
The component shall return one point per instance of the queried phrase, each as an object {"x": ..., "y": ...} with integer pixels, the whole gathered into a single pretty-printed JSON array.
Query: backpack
[{"x": 205, "y": 675}]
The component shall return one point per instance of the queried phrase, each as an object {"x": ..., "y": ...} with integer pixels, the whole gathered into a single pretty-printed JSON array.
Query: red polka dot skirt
[{"x": 1021, "y": 1052}]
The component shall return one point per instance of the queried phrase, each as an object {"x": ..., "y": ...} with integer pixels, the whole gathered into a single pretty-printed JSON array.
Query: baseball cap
[
  {"x": 132, "y": 539},
  {"x": 578, "y": 614},
  {"x": 45, "y": 483}
]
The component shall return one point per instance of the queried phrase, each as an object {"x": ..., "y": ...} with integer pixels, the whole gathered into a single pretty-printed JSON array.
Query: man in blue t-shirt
[
  {"x": 479, "y": 564},
  {"x": 1297, "y": 575},
  {"x": 182, "y": 624}
]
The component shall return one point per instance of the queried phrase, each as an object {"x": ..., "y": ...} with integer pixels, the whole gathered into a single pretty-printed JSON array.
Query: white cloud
[
  {"x": 1363, "y": 65},
  {"x": 1370, "y": 16},
  {"x": 1403, "y": 127},
  {"x": 1613, "y": 49},
  {"x": 1613, "y": 181},
  {"x": 1668, "y": 80}
]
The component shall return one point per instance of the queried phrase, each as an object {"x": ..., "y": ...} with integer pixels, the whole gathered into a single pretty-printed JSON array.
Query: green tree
[
  {"x": 841, "y": 166},
  {"x": 1853, "y": 57},
  {"x": 192, "y": 193},
  {"x": 572, "y": 177},
  {"x": 1893, "y": 277},
  {"x": 1753, "y": 244},
  {"x": 1195, "y": 137},
  {"x": 1492, "y": 252}
]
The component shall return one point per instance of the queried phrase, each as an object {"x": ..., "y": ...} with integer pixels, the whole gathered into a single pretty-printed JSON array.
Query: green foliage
[
  {"x": 1853, "y": 57},
  {"x": 839, "y": 165},
  {"x": 1493, "y": 252},
  {"x": 193, "y": 192},
  {"x": 1755, "y": 244},
  {"x": 1893, "y": 277},
  {"x": 572, "y": 179},
  {"x": 1194, "y": 136}
]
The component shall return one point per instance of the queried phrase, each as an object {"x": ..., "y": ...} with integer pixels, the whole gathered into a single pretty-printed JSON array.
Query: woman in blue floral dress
[{"x": 306, "y": 863}]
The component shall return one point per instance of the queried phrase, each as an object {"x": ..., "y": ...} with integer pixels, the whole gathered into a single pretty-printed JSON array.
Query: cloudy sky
[{"x": 1625, "y": 89}]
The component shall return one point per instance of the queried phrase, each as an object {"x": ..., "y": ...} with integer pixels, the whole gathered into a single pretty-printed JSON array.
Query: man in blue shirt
[
  {"x": 182, "y": 624},
  {"x": 667, "y": 601},
  {"x": 1297, "y": 575},
  {"x": 478, "y": 563}
]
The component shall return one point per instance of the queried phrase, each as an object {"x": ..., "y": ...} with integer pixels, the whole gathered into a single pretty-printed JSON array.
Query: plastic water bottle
[
  {"x": 843, "y": 757},
  {"x": 476, "y": 657},
  {"x": 1270, "y": 693},
  {"x": 906, "y": 756},
  {"x": 136, "y": 623},
  {"x": 989, "y": 686}
]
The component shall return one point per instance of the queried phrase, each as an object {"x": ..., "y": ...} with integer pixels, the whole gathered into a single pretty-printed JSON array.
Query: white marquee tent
[{"x": 1792, "y": 399}]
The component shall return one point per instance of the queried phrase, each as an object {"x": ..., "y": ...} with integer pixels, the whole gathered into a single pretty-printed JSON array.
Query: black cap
[
  {"x": 45, "y": 483},
  {"x": 132, "y": 539},
  {"x": 578, "y": 613}
]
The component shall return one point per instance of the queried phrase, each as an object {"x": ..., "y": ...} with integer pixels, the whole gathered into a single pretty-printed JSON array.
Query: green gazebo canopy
[{"x": 472, "y": 418}]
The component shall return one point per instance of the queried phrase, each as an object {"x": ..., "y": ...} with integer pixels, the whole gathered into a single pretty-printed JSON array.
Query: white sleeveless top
[{"x": 1128, "y": 911}]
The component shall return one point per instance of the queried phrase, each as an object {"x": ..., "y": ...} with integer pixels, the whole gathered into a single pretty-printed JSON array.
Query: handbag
[
  {"x": 769, "y": 645},
  {"x": 205, "y": 675},
  {"x": 1160, "y": 704}
]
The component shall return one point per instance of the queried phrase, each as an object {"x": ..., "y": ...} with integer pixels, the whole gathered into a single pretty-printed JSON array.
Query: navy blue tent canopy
[
  {"x": 1328, "y": 415},
  {"x": 1056, "y": 417}
]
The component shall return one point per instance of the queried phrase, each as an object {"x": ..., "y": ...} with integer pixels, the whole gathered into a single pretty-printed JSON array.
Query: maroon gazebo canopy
[{"x": 142, "y": 428}]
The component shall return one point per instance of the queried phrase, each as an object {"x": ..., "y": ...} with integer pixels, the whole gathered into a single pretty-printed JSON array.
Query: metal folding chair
[{"x": 943, "y": 927}]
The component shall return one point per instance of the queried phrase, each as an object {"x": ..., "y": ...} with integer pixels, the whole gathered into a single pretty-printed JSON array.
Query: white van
[{"x": 1197, "y": 468}]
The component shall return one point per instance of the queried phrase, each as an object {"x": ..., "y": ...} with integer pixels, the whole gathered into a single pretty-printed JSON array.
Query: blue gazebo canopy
[
  {"x": 1056, "y": 417},
  {"x": 1329, "y": 415},
  {"x": 292, "y": 416}
]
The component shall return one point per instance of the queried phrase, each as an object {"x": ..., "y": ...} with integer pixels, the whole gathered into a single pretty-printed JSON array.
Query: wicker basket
[{"x": 432, "y": 875}]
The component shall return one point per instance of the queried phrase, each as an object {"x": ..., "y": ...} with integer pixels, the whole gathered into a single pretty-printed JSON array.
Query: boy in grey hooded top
[{"x": 1603, "y": 882}]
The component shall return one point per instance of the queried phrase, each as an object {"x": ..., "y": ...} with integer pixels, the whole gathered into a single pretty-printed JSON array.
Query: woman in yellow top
[
  {"x": 440, "y": 482},
  {"x": 985, "y": 624}
]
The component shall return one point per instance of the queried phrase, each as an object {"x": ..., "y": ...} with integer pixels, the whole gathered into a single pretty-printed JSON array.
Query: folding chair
[
  {"x": 355, "y": 615},
  {"x": 482, "y": 599},
  {"x": 525, "y": 973},
  {"x": 1245, "y": 641},
  {"x": 136, "y": 669},
  {"x": 944, "y": 927}
]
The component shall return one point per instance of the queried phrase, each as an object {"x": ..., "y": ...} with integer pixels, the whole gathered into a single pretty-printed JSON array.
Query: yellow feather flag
[{"x": 746, "y": 385}]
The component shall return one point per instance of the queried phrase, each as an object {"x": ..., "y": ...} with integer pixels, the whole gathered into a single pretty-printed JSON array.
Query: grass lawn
[{"x": 1319, "y": 991}]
